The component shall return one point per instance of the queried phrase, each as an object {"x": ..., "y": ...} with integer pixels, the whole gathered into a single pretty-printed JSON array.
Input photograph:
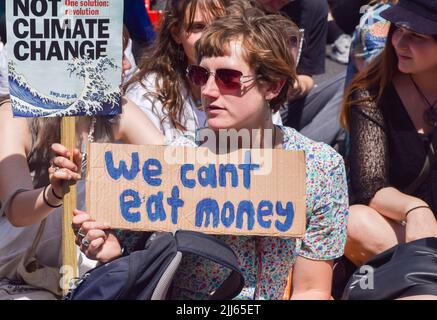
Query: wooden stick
[{"x": 69, "y": 251}]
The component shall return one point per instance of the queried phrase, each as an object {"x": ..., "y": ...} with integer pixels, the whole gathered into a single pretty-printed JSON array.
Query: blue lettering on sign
[
  {"x": 208, "y": 207},
  {"x": 288, "y": 213},
  {"x": 228, "y": 220},
  {"x": 245, "y": 207},
  {"x": 187, "y": 183},
  {"x": 158, "y": 213},
  {"x": 228, "y": 168},
  {"x": 149, "y": 173},
  {"x": 265, "y": 208},
  {"x": 116, "y": 173},
  {"x": 207, "y": 176},
  {"x": 208, "y": 212},
  {"x": 175, "y": 202},
  {"x": 247, "y": 168},
  {"x": 126, "y": 205}
]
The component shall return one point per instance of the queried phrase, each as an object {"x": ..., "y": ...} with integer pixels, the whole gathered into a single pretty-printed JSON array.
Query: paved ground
[{"x": 331, "y": 69}]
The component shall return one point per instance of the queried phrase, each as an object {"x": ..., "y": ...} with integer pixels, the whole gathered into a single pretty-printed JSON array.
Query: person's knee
[
  {"x": 367, "y": 229},
  {"x": 359, "y": 222},
  {"x": 361, "y": 244}
]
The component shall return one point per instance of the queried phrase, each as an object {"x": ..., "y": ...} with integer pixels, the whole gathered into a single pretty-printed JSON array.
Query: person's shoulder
[
  {"x": 365, "y": 98},
  {"x": 144, "y": 94},
  {"x": 144, "y": 85},
  {"x": 188, "y": 139},
  {"x": 5, "y": 107},
  {"x": 316, "y": 7},
  {"x": 318, "y": 155},
  {"x": 11, "y": 126},
  {"x": 6, "y": 111}
]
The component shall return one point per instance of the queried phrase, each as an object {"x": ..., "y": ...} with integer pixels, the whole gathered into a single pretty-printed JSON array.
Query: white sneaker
[{"x": 340, "y": 49}]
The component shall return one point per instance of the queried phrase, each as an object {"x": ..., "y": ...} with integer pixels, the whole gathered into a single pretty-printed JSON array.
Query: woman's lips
[
  {"x": 402, "y": 57},
  {"x": 214, "y": 109}
]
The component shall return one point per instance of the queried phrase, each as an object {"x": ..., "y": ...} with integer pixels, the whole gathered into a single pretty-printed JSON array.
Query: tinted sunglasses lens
[
  {"x": 198, "y": 75},
  {"x": 229, "y": 78}
]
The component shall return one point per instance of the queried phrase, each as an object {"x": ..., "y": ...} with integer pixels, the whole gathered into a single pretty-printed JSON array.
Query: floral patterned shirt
[{"x": 266, "y": 261}]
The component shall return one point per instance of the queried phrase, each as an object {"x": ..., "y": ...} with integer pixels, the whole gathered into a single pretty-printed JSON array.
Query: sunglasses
[{"x": 225, "y": 78}]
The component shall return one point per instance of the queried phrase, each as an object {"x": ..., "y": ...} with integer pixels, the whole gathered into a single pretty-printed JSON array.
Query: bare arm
[
  {"x": 136, "y": 128},
  {"x": 394, "y": 204},
  {"x": 305, "y": 84},
  {"x": 28, "y": 207},
  {"x": 312, "y": 279},
  {"x": 368, "y": 159}
]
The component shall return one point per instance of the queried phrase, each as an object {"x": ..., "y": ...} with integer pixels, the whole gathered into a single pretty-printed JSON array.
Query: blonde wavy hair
[{"x": 166, "y": 58}]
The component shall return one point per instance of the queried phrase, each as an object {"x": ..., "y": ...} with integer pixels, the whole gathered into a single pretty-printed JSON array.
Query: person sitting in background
[
  {"x": 312, "y": 110},
  {"x": 369, "y": 37},
  {"x": 33, "y": 168},
  {"x": 312, "y": 18},
  {"x": 160, "y": 87},
  {"x": 139, "y": 26},
  {"x": 390, "y": 112}
]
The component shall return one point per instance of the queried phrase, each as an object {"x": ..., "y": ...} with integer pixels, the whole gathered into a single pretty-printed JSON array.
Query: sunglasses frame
[{"x": 217, "y": 78}]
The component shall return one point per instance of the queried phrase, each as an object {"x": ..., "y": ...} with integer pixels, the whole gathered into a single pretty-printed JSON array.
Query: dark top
[
  {"x": 312, "y": 17},
  {"x": 346, "y": 13},
  {"x": 386, "y": 150}
]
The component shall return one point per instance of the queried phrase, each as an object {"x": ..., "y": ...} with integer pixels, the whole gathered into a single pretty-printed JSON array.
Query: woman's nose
[{"x": 210, "y": 88}]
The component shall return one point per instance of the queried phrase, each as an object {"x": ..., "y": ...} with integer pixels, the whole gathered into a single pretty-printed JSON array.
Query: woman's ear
[
  {"x": 175, "y": 34},
  {"x": 274, "y": 89}
]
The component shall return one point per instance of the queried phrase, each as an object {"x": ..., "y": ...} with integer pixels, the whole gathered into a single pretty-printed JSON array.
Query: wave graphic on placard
[{"x": 95, "y": 98}]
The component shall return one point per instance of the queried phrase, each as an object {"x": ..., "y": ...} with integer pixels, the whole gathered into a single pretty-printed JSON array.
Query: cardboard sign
[
  {"x": 65, "y": 57},
  {"x": 144, "y": 188}
]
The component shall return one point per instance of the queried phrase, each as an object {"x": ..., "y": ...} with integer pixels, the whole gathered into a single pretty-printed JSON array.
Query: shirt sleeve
[
  {"x": 325, "y": 235},
  {"x": 368, "y": 158},
  {"x": 147, "y": 102},
  {"x": 276, "y": 118}
]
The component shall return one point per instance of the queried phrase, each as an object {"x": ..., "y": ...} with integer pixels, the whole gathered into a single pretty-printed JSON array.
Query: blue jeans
[{"x": 316, "y": 115}]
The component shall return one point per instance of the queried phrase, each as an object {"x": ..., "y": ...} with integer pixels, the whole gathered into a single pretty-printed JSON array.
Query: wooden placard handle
[{"x": 69, "y": 251}]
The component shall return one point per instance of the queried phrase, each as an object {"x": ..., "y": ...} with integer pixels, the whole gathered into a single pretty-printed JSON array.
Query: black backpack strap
[{"x": 214, "y": 249}]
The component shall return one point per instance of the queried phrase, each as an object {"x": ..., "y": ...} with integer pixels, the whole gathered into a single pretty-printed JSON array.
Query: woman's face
[
  {"x": 242, "y": 107},
  {"x": 416, "y": 53},
  {"x": 188, "y": 38}
]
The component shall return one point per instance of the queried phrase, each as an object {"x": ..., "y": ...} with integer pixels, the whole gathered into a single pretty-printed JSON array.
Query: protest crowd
[{"x": 195, "y": 74}]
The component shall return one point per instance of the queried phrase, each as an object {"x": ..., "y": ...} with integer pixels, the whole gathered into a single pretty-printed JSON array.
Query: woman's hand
[
  {"x": 95, "y": 239},
  {"x": 63, "y": 169},
  {"x": 421, "y": 223}
]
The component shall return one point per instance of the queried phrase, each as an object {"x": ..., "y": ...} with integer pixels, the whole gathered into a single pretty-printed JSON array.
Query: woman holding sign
[
  {"x": 160, "y": 87},
  {"x": 31, "y": 180},
  {"x": 245, "y": 69}
]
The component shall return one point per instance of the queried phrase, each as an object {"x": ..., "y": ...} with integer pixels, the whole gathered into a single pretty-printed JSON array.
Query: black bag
[
  {"x": 148, "y": 273},
  {"x": 407, "y": 269}
]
